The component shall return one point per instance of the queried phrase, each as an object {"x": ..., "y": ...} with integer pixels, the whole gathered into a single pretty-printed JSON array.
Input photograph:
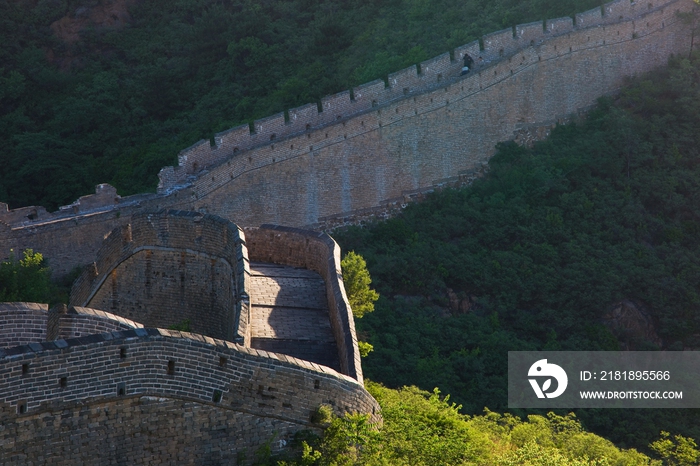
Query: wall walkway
[{"x": 289, "y": 314}]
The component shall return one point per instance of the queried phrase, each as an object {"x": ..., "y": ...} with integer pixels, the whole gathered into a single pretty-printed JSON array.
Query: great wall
[
  {"x": 69, "y": 376},
  {"x": 274, "y": 337}
]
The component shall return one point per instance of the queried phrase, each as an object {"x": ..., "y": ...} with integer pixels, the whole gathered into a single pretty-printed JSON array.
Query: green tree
[
  {"x": 25, "y": 280},
  {"x": 533, "y": 255},
  {"x": 357, "y": 280},
  {"x": 679, "y": 451},
  {"x": 365, "y": 348}
]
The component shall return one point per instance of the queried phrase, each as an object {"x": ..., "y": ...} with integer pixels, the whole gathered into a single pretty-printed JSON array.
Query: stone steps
[{"x": 289, "y": 314}]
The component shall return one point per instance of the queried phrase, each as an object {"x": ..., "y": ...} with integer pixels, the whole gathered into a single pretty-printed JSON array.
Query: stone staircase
[{"x": 289, "y": 314}]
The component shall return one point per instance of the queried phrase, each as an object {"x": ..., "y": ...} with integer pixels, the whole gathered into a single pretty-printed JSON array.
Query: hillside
[
  {"x": 587, "y": 241},
  {"x": 426, "y": 429}
]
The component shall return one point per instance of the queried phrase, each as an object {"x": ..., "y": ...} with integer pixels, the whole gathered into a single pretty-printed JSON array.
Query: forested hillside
[
  {"x": 539, "y": 255},
  {"x": 109, "y": 91}
]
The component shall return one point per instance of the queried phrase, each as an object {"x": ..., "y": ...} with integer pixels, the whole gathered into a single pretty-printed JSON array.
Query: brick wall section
[
  {"x": 167, "y": 267},
  {"x": 167, "y": 287},
  {"x": 22, "y": 323},
  {"x": 497, "y": 46},
  {"x": 66, "y": 243},
  {"x": 82, "y": 321},
  {"x": 320, "y": 253},
  {"x": 22, "y": 214},
  {"x": 25, "y": 323},
  {"x": 388, "y": 145},
  {"x": 105, "y": 197},
  {"x": 138, "y": 430},
  {"x": 43, "y": 385}
]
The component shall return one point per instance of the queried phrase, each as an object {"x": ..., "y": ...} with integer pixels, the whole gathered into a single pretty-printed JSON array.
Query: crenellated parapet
[
  {"x": 196, "y": 394},
  {"x": 104, "y": 200},
  {"x": 439, "y": 71},
  {"x": 173, "y": 364},
  {"x": 99, "y": 373}
]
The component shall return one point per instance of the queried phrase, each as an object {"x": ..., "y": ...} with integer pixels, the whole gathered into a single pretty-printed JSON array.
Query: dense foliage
[
  {"x": 27, "y": 279},
  {"x": 425, "y": 429},
  {"x": 536, "y": 254},
  {"x": 356, "y": 279},
  {"x": 120, "y": 103}
]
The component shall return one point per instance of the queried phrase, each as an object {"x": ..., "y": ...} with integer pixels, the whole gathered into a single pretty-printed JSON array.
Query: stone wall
[
  {"x": 420, "y": 138},
  {"x": 81, "y": 321},
  {"x": 22, "y": 323},
  {"x": 138, "y": 430},
  {"x": 67, "y": 241},
  {"x": 320, "y": 253},
  {"x": 169, "y": 287},
  {"x": 32, "y": 323},
  {"x": 168, "y": 267},
  {"x": 154, "y": 396}
]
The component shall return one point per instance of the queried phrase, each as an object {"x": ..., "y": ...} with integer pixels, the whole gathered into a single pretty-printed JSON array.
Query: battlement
[
  {"x": 102, "y": 374},
  {"x": 105, "y": 199},
  {"x": 186, "y": 387},
  {"x": 168, "y": 266},
  {"x": 379, "y": 144},
  {"x": 439, "y": 72},
  {"x": 189, "y": 356},
  {"x": 105, "y": 196},
  {"x": 436, "y": 72}
]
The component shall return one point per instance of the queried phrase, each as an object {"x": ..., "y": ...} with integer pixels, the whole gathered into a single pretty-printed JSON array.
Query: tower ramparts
[
  {"x": 320, "y": 253},
  {"x": 69, "y": 376},
  {"x": 167, "y": 267}
]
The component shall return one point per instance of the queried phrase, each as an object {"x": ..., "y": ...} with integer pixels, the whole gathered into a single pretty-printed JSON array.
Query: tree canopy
[
  {"x": 357, "y": 280},
  {"x": 27, "y": 279}
]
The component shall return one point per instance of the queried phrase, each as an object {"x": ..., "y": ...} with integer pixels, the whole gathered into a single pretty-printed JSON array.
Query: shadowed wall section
[
  {"x": 22, "y": 323},
  {"x": 168, "y": 267},
  {"x": 320, "y": 253},
  {"x": 155, "y": 396}
]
